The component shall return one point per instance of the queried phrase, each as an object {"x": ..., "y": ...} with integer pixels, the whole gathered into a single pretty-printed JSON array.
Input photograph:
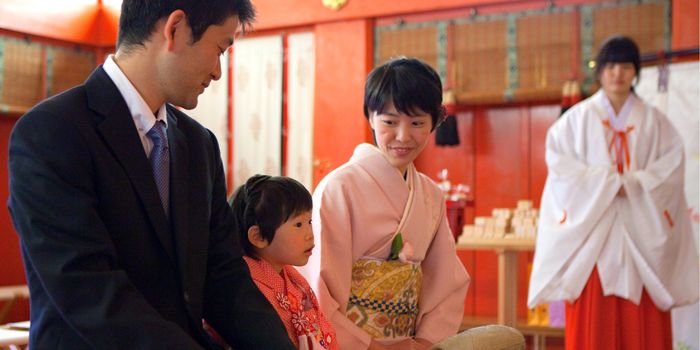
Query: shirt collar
[{"x": 140, "y": 112}]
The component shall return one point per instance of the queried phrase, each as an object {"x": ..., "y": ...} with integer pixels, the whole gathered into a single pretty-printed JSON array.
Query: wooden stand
[{"x": 507, "y": 250}]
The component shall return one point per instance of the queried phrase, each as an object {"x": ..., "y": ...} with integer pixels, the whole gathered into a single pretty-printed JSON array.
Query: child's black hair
[
  {"x": 267, "y": 201},
  {"x": 410, "y": 84}
]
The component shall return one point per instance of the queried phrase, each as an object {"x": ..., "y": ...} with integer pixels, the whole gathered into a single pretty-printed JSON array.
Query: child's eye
[
  {"x": 309, "y": 222},
  {"x": 298, "y": 224}
]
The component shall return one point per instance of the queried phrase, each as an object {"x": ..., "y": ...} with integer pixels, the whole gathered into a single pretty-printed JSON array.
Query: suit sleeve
[
  {"x": 67, "y": 248},
  {"x": 232, "y": 302}
]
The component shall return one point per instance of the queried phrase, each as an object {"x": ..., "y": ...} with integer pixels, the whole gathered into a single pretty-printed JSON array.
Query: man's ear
[
  {"x": 174, "y": 25},
  {"x": 255, "y": 237}
]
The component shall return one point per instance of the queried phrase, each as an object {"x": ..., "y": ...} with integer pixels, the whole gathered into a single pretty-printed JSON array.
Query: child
[{"x": 273, "y": 220}]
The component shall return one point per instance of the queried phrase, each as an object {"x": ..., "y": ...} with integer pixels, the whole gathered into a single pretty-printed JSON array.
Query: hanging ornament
[
  {"x": 334, "y": 4},
  {"x": 447, "y": 133}
]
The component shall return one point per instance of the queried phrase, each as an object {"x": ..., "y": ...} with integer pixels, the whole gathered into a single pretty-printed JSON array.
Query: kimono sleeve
[
  {"x": 330, "y": 271},
  {"x": 445, "y": 283}
]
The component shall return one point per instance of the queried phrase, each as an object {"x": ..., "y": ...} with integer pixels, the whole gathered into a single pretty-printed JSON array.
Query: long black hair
[{"x": 618, "y": 49}]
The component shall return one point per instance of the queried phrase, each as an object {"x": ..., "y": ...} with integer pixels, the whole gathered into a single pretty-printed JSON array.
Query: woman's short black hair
[
  {"x": 410, "y": 84},
  {"x": 618, "y": 49},
  {"x": 267, "y": 201}
]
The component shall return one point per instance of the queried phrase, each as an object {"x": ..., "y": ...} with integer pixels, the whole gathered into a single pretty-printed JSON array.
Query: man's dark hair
[
  {"x": 139, "y": 17},
  {"x": 267, "y": 201},
  {"x": 410, "y": 84}
]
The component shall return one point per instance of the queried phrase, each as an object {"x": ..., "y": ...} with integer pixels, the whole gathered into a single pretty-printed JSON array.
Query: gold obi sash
[{"x": 384, "y": 297}]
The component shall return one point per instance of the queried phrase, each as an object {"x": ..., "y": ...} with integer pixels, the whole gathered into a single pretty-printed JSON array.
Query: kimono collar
[
  {"x": 629, "y": 113},
  {"x": 374, "y": 162}
]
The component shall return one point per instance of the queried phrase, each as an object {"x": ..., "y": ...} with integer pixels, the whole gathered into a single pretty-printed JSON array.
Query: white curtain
[
  {"x": 300, "y": 107},
  {"x": 680, "y": 100},
  {"x": 257, "y": 107},
  {"x": 212, "y": 107}
]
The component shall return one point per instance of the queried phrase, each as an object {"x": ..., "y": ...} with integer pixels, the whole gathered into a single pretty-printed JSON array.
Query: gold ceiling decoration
[{"x": 334, "y": 4}]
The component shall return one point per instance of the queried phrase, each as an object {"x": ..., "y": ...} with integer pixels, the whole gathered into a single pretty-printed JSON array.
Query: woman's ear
[{"x": 255, "y": 237}]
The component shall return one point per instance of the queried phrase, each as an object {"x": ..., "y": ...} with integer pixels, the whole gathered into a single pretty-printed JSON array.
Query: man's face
[{"x": 190, "y": 67}]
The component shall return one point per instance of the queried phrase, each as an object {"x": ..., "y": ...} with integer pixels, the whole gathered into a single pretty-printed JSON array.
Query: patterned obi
[{"x": 384, "y": 297}]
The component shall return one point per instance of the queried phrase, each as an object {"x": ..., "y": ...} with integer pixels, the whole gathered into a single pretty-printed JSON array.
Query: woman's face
[
  {"x": 400, "y": 137},
  {"x": 616, "y": 78}
]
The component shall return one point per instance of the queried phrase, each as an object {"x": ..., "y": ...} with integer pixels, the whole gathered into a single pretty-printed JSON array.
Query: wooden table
[{"x": 507, "y": 250}]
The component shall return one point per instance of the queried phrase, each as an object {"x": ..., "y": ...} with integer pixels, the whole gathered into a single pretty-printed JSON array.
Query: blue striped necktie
[{"x": 160, "y": 162}]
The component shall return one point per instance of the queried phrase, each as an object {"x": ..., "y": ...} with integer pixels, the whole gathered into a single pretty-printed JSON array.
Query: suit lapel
[
  {"x": 179, "y": 189},
  {"x": 120, "y": 135}
]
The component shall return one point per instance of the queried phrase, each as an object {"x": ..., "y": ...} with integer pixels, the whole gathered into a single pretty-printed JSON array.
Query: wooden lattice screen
[
  {"x": 69, "y": 68},
  {"x": 21, "y": 74},
  {"x": 545, "y": 57},
  {"x": 414, "y": 42},
  {"x": 479, "y": 61},
  {"x": 644, "y": 23}
]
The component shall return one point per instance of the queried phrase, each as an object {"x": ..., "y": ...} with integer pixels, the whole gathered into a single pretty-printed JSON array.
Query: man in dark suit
[{"x": 119, "y": 199}]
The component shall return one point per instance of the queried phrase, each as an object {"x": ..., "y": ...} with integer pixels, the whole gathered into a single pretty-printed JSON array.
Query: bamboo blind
[
  {"x": 480, "y": 63},
  {"x": 22, "y": 74},
  {"x": 644, "y": 23},
  {"x": 70, "y": 68},
  {"x": 418, "y": 42},
  {"x": 545, "y": 57}
]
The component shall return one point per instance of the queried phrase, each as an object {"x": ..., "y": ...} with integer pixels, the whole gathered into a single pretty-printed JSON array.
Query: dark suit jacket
[{"x": 106, "y": 268}]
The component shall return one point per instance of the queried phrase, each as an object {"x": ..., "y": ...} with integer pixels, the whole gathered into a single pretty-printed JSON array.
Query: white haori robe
[
  {"x": 641, "y": 240},
  {"x": 358, "y": 208}
]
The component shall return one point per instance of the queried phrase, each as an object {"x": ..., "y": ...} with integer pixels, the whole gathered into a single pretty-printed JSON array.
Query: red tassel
[{"x": 668, "y": 218}]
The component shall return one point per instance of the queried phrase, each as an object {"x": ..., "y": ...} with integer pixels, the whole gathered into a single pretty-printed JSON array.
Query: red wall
[
  {"x": 83, "y": 23},
  {"x": 11, "y": 270},
  {"x": 684, "y": 25},
  {"x": 501, "y": 157},
  {"x": 343, "y": 59}
]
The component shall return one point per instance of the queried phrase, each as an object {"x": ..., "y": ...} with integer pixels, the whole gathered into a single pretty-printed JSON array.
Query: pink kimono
[
  {"x": 295, "y": 303},
  {"x": 358, "y": 209}
]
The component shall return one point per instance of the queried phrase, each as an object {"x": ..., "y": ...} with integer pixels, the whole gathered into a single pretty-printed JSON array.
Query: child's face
[
  {"x": 400, "y": 137},
  {"x": 292, "y": 244}
]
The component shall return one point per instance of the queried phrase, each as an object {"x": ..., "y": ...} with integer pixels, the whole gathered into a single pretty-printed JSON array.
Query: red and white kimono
[
  {"x": 358, "y": 208},
  {"x": 632, "y": 256},
  {"x": 295, "y": 303}
]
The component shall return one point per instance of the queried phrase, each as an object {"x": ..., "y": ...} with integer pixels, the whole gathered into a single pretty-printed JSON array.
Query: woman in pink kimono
[{"x": 386, "y": 273}]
